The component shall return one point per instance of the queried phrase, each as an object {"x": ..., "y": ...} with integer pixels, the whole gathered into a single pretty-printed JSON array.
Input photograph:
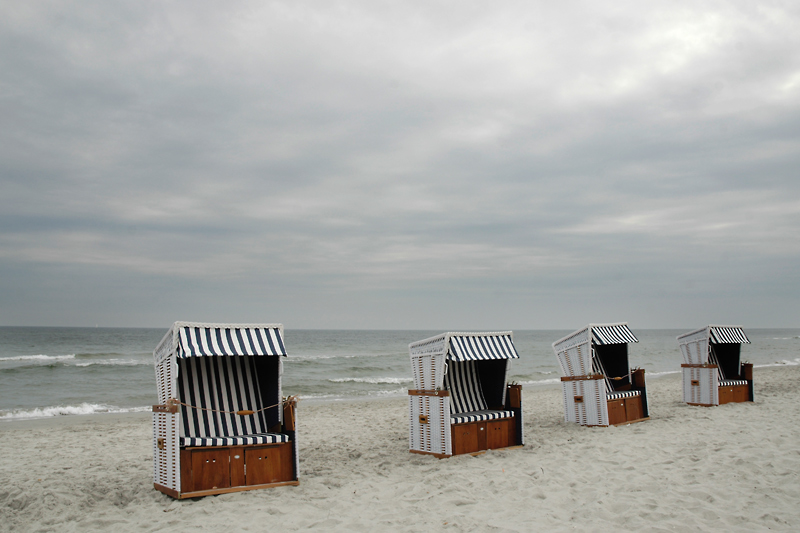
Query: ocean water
[{"x": 47, "y": 372}]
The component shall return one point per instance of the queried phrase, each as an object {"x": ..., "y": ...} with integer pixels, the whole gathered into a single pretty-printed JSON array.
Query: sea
[{"x": 61, "y": 372}]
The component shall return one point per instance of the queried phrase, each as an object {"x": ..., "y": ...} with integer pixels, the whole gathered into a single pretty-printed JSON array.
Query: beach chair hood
[{"x": 197, "y": 340}]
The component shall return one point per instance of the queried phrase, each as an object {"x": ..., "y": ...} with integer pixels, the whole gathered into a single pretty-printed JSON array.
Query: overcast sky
[{"x": 368, "y": 164}]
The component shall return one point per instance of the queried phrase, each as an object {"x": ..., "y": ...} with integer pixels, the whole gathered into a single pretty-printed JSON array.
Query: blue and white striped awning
[
  {"x": 616, "y": 334},
  {"x": 727, "y": 335},
  {"x": 481, "y": 347},
  {"x": 197, "y": 341}
]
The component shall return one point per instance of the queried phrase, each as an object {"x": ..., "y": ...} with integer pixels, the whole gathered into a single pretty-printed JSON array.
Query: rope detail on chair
[{"x": 244, "y": 412}]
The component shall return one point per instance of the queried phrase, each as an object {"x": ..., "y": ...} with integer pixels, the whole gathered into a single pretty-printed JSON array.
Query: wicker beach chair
[
  {"x": 713, "y": 373},
  {"x": 222, "y": 424},
  {"x": 462, "y": 402},
  {"x": 598, "y": 386}
]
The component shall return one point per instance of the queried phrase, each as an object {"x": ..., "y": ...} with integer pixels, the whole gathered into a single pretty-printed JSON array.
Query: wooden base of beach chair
[
  {"x": 221, "y": 469},
  {"x": 472, "y": 437},
  {"x": 213, "y": 492},
  {"x": 734, "y": 393},
  {"x": 625, "y": 411}
]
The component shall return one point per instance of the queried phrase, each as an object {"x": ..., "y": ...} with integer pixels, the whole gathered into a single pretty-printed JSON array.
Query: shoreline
[{"x": 551, "y": 383}]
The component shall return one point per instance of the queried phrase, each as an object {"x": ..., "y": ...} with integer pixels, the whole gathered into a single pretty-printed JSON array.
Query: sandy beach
[{"x": 734, "y": 468}]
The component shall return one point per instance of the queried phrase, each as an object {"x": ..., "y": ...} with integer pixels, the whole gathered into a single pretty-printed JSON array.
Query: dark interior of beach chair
[
  {"x": 480, "y": 417},
  {"x": 735, "y": 379},
  {"x": 626, "y": 393},
  {"x": 222, "y": 450}
]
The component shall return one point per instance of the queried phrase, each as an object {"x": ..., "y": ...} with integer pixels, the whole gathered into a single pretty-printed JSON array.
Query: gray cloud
[{"x": 416, "y": 165}]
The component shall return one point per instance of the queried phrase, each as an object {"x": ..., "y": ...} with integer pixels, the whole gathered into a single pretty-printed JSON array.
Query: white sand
[{"x": 734, "y": 468}]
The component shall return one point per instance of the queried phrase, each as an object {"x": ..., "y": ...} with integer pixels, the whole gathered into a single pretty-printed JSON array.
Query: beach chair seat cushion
[
  {"x": 477, "y": 416},
  {"x": 617, "y": 395},
  {"x": 732, "y": 382},
  {"x": 262, "y": 438}
]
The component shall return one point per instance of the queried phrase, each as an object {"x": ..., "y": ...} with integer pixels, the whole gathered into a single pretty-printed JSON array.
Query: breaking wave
[
  {"x": 67, "y": 410},
  {"x": 374, "y": 381}
]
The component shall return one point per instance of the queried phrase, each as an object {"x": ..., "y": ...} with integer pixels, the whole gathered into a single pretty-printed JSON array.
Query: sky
[{"x": 441, "y": 165}]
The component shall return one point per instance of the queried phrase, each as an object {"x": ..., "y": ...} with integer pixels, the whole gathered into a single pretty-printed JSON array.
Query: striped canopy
[
  {"x": 727, "y": 335},
  {"x": 195, "y": 341},
  {"x": 615, "y": 334},
  {"x": 481, "y": 347}
]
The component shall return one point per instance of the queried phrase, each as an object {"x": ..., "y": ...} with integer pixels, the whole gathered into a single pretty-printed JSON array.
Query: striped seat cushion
[
  {"x": 731, "y": 382},
  {"x": 477, "y": 416},
  {"x": 263, "y": 438},
  {"x": 616, "y": 395}
]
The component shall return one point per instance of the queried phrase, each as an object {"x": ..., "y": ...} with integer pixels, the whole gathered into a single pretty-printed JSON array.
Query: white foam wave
[
  {"x": 39, "y": 357},
  {"x": 69, "y": 410},
  {"x": 373, "y": 381},
  {"x": 785, "y": 362},
  {"x": 665, "y": 373},
  {"x": 116, "y": 362},
  {"x": 293, "y": 357},
  {"x": 540, "y": 381}
]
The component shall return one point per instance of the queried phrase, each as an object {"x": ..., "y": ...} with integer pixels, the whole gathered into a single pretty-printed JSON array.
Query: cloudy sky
[{"x": 371, "y": 164}]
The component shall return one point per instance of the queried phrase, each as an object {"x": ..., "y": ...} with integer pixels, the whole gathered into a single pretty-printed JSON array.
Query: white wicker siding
[
  {"x": 707, "y": 390},
  {"x": 166, "y": 426},
  {"x": 433, "y": 437},
  {"x": 166, "y": 463},
  {"x": 593, "y": 411},
  {"x": 428, "y": 371},
  {"x": 576, "y": 360},
  {"x": 694, "y": 347}
]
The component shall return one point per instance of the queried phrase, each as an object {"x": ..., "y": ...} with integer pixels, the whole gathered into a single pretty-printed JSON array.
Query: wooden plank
[
  {"x": 264, "y": 465},
  {"x": 237, "y": 466},
  {"x": 464, "y": 438},
  {"x": 747, "y": 371},
  {"x": 633, "y": 408},
  {"x": 497, "y": 434},
  {"x": 228, "y": 490},
  {"x": 169, "y": 492},
  {"x": 725, "y": 395},
  {"x": 616, "y": 412},
  {"x": 741, "y": 393},
  {"x": 186, "y": 471},
  {"x": 514, "y": 396},
  {"x": 637, "y": 378},
  {"x": 437, "y": 455},
  {"x": 211, "y": 469},
  {"x": 289, "y": 411}
]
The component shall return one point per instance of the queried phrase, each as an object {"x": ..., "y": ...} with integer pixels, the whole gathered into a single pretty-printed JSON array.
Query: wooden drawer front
[
  {"x": 265, "y": 465},
  {"x": 497, "y": 434},
  {"x": 734, "y": 393},
  {"x": 616, "y": 412},
  {"x": 210, "y": 469},
  {"x": 468, "y": 438},
  {"x": 725, "y": 395},
  {"x": 237, "y": 467},
  {"x": 741, "y": 393},
  {"x": 633, "y": 408}
]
